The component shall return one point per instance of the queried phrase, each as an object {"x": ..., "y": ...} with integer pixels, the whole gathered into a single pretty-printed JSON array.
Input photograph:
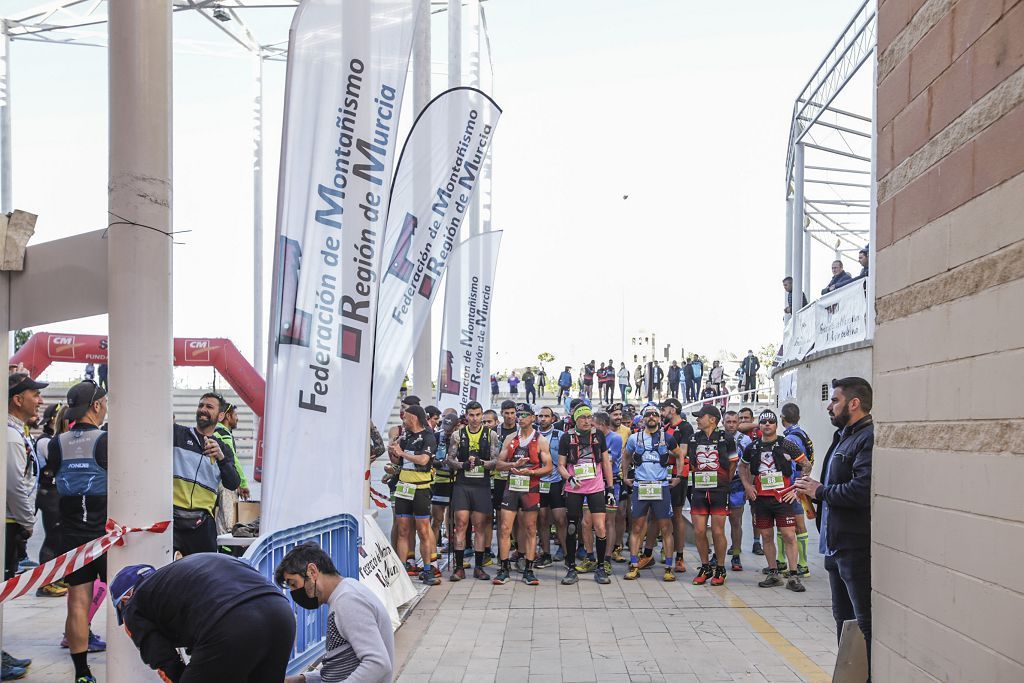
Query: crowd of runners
[{"x": 522, "y": 489}]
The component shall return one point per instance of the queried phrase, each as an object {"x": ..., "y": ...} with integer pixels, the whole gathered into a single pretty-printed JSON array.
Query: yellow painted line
[{"x": 790, "y": 652}]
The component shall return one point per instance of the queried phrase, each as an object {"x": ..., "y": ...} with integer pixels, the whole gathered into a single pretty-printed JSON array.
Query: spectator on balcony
[
  {"x": 787, "y": 284},
  {"x": 862, "y": 256},
  {"x": 839, "y": 277}
]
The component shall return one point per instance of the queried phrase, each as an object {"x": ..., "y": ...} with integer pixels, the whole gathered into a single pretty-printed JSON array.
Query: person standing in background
[
  {"x": 623, "y": 376},
  {"x": 529, "y": 381},
  {"x": 542, "y": 381}
]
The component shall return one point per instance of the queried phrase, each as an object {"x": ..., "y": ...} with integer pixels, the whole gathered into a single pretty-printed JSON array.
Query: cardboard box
[{"x": 247, "y": 511}]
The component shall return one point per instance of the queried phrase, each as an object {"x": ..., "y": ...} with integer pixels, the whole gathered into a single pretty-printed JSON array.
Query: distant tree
[
  {"x": 766, "y": 355},
  {"x": 20, "y": 337},
  {"x": 545, "y": 357}
]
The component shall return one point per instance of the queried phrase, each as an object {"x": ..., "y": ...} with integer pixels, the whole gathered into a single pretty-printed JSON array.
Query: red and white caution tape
[
  {"x": 380, "y": 499},
  {"x": 73, "y": 560}
]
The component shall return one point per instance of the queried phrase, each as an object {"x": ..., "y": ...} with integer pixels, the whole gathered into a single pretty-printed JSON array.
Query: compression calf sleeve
[
  {"x": 780, "y": 548},
  {"x": 801, "y": 547},
  {"x": 600, "y": 546},
  {"x": 460, "y": 556}
]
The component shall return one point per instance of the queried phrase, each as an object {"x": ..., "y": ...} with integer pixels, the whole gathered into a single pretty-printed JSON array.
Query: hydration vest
[
  {"x": 532, "y": 448},
  {"x": 80, "y": 474},
  {"x": 782, "y": 461},
  {"x": 485, "y": 444},
  {"x": 573, "y": 456},
  {"x": 657, "y": 445}
]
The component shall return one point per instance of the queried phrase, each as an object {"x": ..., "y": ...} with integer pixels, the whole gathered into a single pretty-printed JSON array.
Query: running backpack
[{"x": 808, "y": 444}]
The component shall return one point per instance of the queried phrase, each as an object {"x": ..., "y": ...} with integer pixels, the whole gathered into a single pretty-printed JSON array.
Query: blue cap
[{"x": 127, "y": 579}]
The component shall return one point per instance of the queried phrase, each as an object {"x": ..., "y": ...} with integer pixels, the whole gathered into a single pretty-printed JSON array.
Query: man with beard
[
  {"x": 844, "y": 504},
  {"x": 679, "y": 429},
  {"x": 552, "y": 497},
  {"x": 499, "y": 482},
  {"x": 201, "y": 466},
  {"x": 615, "y": 412},
  {"x": 713, "y": 461},
  {"x": 737, "y": 494},
  {"x": 441, "y": 489}
]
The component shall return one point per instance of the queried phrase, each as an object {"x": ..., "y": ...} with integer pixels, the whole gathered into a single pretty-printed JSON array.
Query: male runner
[
  {"x": 766, "y": 471},
  {"x": 585, "y": 466},
  {"x": 588, "y": 380},
  {"x": 499, "y": 481},
  {"x": 614, "y": 442},
  {"x": 649, "y": 449},
  {"x": 391, "y": 479},
  {"x": 749, "y": 428},
  {"x": 472, "y": 455},
  {"x": 790, "y": 414},
  {"x": 619, "y": 425},
  {"x": 414, "y": 454},
  {"x": 681, "y": 430},
  {"x": 737, "y": 496},
  {"x": 552, "y": 499},
  {"x": 526, "y": 457},
  {"x": 713, "y": 461},
  {"x": 441, "y": 489},
  {"x": 490, "y": 419}
]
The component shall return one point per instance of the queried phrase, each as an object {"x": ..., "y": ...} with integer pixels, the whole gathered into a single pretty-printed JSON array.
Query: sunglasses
[
  {"x": 768, "y": 422},
  {"x": 524, "y": 414}
]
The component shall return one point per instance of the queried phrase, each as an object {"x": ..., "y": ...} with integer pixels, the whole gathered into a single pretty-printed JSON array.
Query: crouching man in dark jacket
[
  {"x": 236, "y": 625},
  {"x": 843, "y": 498}
]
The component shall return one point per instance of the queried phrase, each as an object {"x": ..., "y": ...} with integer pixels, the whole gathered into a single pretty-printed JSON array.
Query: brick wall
[{"x": 948, "y": 510}]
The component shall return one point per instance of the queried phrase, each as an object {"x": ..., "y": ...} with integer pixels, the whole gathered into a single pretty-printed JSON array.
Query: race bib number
[
  {"x": 649, "y": 490},
  {"x": 519, "y": 483},
  {"x": 476, "y": 472},
  {"x": 545, "y": 487},
  {"x": 585, "y": 471},
  {"x": 771, "y": 481},
  {"x": 501, "y": 475},
  {"x": 405, "y": 491},
  {"x": 705, "y": 480}
]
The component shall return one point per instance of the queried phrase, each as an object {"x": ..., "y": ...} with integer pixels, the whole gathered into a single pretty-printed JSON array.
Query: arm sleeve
[
  {"x": 154, "y": 649},
  {"x": 358, "y": 627},
  {"x": 53, "y": 456},
  {"x": 227, "y": 444},
  {"x": 21, "y": 504},
  {"x": 855, "y": 493},
  {"x": 229, "y": 476}
]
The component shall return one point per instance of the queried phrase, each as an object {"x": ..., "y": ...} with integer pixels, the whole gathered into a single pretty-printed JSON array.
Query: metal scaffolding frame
[
  {"x": 83, "y": 23},
  {"x": 830, "y": 150}
]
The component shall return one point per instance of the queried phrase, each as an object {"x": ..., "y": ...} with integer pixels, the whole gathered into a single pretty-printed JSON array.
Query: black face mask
[{"x": 303, "y": 599}]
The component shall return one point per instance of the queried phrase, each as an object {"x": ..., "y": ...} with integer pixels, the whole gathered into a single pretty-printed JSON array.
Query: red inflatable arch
[{"x": 44, "y": 348}]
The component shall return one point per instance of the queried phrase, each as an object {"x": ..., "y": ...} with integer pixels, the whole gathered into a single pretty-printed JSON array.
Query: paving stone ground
[{"x": 643, "y": 630}]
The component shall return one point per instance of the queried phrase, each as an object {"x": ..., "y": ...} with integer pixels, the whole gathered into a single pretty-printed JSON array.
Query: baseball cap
[
  {"x": 80, "y": 397},
  {"x": 674, "y": 402},
  {"x": 768, "y": 416},
  {"x": 709, "y": 410},
  {"x": 127, "y": 579},
  {"x": 411, "y": 400},
  {"x": 22, "y": 381},
  {"x": 524, "y": 408},
  {"x": 449, "y": 421}
]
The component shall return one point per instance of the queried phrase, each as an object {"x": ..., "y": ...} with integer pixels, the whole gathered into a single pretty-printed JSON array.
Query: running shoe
[
  {"x": 581, "y": 553},
  {"x": 617, "y": 556},
  {"x": 9, "y": 660},
  {"x": 607, "y": 567},
  {"x": 645, "y": 561},
  {"x": 633, "y": 572},
  {"x": 757, "y": 549},
  {"x": 529, "y": 578},
  {"x": 669, "y": 575},
  {"x": 771, "y": 581},
  {"x": 458, "y": 575},
  {"x": 428, "y": 577},
  {"x": 714, "y": 559},
  {"x": 435, "y": 557},
  {"x": 14, "y": 673},
  {"x": 794, "y": 584},
  {"x": 803, "y": 570},
  {"x": 570, "y": 577},
  {"x": 703, "y": 574},
  {"x": 586, "y": 566},
  {"x": 783, "y": 567},
  {"x": 502, "y": 577},
  {"x": 411, "y": 569},
  {"x": 86, "y": 679},
  {"x": 601, "y": 576},
  {"x": 488, "y": 558},
  {"x": 719, "y": 578},
  {"x": 543, "y": 561},
  {"x": 680, "y": 565},
  {"x": 52, "y": 590},
  {"x": 737, "y": 566},
  {"x": 437, "y": 571},
  {"x": 481, "y": 574},
  {"x": 559, "y": 556},
  {"x": 96, "y": 644}
]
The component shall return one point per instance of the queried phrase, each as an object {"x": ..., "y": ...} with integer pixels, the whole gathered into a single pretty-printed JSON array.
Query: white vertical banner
[
  {"x": 347, "y": 66},
  {"x": 465, "y": 360},
  {"x": 382, "y": 572},
  {"x": 436, "y": 179}
]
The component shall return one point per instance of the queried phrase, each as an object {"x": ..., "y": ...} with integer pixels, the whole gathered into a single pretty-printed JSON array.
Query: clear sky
[{"x": 684, "y": 106}]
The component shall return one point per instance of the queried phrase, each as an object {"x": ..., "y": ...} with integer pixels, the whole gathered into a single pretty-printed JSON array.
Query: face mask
[{"x": 303, "y": 599}]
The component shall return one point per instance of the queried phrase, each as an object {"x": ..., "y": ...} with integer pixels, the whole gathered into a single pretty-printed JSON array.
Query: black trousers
[
  {"x": 249, "y": 644},
  {"x": 48, "y": 503},
  {"x": 849, "y": 576},
  {"x": 12, "y": 541},
  {"x": 673, "y": 389},
  {"x": 530, "y": 391},
  {"x": 200, "y": 540}
]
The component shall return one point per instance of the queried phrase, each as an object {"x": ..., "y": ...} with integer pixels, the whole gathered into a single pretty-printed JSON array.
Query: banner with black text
[
  {"x": 465, "y": 360},
  {"x": 437, "y": 176},
  {"x": 347, "y": 68}
]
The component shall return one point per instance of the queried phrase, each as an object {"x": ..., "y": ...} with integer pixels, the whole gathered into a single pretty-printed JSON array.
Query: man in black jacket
[
  {"x": 843, "y": 500},
  {"x": 237, "y": 625}
]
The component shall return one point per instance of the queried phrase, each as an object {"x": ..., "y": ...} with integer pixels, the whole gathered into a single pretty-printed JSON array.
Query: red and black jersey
[
  {"x": 775, "y": 457},
  {"x": 713, "y": 453}
]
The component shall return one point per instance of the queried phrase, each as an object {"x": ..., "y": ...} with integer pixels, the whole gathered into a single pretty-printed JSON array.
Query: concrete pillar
[{"x": 139, "y": 294}]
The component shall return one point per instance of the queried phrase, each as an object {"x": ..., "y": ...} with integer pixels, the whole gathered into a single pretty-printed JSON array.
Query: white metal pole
[
  {"x": 257, "y": 219},
  {"x": 798, "y": 227},
  {"x": 807, "y": 264},
  {"x": 422, "y": 357},
  {"x": 139, "y": 295},
  {"x": 6, "y": 182},
  {"x": 789, "y": 255},
  {"x": 454, "y": 43},
  {"x": 474, "y": 66},
  {"x": 872, "y": 230}
]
